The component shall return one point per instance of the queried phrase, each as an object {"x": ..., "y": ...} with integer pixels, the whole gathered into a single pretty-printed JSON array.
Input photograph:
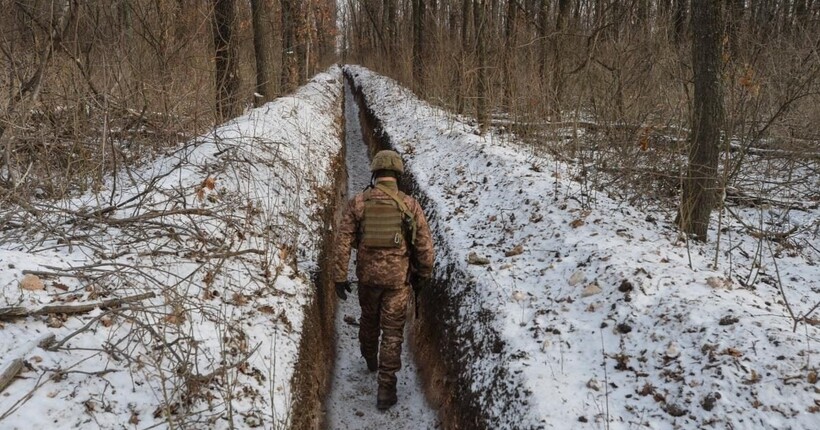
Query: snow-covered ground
[
  {"x": 571, "y": 316},
  {"x": 351, "y": 403},
  {"x": 224, "y": 232}
]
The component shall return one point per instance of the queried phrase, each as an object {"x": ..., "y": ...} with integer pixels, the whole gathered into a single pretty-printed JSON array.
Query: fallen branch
[
  {"x": 10, "y": 372},
  {"x": 74, "y": 308},
  {"x": 738, "y": 196},
  {"x": 16, "y": 365}
]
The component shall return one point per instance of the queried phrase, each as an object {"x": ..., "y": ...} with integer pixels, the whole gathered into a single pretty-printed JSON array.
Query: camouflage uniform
[{"x": 383, "y": 273}]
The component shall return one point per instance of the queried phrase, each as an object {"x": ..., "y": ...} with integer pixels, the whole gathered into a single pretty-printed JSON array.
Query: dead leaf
[
  {"x": 32, "y": 283},
  {"x": 474, "y": 258},
  {"x": 54, "y": 321},
  {"x": 209, "y": 183},
  {"x": 239, "y": 299},
  {"x": 577, "y": 223},
  {"x": 754, "y": 378},
  {"x": 734, "y": 352},
  {"x": 173, "y": 319},
  {"x": 176, "y": 318},
  {"x": 643, "y": 142},
  {"x": 60, "y": 286},
  {"x": 107, "y": 321},
  {"x": 135, "y": 418},
  {"x": 37, "y": 359},
  {"x": 265, "y": 309},
  {"x": 518, "y": 250}
]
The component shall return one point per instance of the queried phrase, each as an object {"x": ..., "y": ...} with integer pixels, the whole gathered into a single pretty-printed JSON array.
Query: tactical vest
[{"x": 386, "y": 221}]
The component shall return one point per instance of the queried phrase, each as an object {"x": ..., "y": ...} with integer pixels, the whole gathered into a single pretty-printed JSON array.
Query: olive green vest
[{"x": 384, "y": 220}]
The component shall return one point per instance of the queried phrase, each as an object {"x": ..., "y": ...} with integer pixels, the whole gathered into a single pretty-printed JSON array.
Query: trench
[
  {"x": 351, "y": 402},
  {"x": 440, "y": 342}
]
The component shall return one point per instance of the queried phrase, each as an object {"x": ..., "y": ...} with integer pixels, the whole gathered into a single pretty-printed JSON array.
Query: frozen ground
[
  {"x": 224, "y": 231},
  {"x": 351, "y": 404},
  {"x": 579, "y": 313}
]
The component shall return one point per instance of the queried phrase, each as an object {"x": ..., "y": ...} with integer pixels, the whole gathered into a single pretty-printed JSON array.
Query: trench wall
[
  {"x": 438, "y": 340},
  {"x": 314, "y": 367}
]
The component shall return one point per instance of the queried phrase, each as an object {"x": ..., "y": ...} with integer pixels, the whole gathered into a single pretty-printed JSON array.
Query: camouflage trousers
[{"x": 385, "y": 310}]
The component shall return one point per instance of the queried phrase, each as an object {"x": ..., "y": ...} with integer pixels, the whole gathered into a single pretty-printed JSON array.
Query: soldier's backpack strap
[{"x": 403, "y": 208}]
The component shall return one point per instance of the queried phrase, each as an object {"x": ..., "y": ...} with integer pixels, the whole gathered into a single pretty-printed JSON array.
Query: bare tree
[
  {"x": 290, "y": 72},
  {"x": 482, "y": 90},
  {"x": 261, "y": 11},
  {"x": 419, "y": 7},
  {"x": 699, "y": 187},
  {"x": 225, "y": 56}
]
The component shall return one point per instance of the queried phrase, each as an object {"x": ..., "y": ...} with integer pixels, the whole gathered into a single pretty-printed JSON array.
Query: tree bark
[
  {"x": 679, "y": 21},
  {"x": 482, "y": 87},
  {"x": 509, "y": 59},
  {"x": 418, "y": 45},
  {"x": 289, "y": 78},
  {"x": 734, "y": 19},
  {"x": 700, "y": 184},
  {"x": 263, "y": 51},
  {"x": 461, "y": 69},
  {"x": 227, "y": 68},
  {"x": 543, "y": 22},
  {"x": 556, "y": 80}
]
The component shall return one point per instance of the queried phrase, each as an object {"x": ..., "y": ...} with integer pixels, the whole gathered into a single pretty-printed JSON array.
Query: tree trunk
[
  {"x": 389, "y": 30},
  {"x": 556, "y": 84},
  {"x": 289, "y": 77},
  {"x": 699, "y": 187},
  {"x": 734, "y": 19},
  {"x": 263, "y": 51},
  {"x": 461, "y": 69},
  {"x": 679, "y": 21},
  {"x": 227, "y": 70},
  {"x": 543, "y": 21},
  {"x": 509, "y": 60},
  {"x": 418, "y": 45},
  {"x": 482, "y": 87}
]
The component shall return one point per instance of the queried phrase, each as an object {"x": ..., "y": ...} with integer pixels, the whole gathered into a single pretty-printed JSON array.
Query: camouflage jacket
[{"x": 384, "y": 267}]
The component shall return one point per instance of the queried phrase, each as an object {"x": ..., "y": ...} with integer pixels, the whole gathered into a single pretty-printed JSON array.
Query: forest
[{"x": 623, "y": 197}]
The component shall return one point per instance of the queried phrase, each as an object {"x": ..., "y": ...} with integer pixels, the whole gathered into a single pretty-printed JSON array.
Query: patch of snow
[
  {"x": 225, "y": 230},
  {"x": 669, "y": 349}
]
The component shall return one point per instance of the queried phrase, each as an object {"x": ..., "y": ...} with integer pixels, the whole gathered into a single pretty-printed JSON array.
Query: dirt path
[{"x": 352, "y": 400}]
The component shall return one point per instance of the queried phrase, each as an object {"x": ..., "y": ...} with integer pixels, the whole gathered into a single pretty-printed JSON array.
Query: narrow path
[{"x": 352, "y": 401}]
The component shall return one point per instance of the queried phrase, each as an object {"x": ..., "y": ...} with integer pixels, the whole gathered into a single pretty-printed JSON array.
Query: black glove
[
  {"x": 419, "y": 283},
  {"x": 340, "y": 289}
]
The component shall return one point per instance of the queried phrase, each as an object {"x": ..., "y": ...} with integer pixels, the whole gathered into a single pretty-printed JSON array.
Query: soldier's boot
[{"x": 386, "y": 397}]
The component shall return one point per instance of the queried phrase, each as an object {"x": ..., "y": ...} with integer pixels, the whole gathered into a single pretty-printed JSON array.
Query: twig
[
  {"x": 606, "y": 379},
  {"x": 17, "y": 311}
]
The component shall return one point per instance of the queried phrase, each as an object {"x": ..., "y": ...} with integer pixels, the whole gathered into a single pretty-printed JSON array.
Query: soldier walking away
[{"x": 394, "y": 251}]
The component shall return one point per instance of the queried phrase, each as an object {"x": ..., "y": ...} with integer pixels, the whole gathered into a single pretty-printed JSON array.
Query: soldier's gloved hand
[{"x": 341, "y": 287}]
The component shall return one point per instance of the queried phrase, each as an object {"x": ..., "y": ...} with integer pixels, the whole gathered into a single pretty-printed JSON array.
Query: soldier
[{"x": 394, "y": 246}]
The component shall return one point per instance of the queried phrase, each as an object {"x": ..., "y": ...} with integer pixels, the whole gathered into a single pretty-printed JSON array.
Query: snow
[
  {"x": 667, "y": 343},
  {"x": 351, "y": 403},
  {"x": 225, "y": 230}
]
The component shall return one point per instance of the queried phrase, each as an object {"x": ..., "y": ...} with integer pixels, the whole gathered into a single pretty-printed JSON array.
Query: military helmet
[{"x": 387, "y": 160}]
